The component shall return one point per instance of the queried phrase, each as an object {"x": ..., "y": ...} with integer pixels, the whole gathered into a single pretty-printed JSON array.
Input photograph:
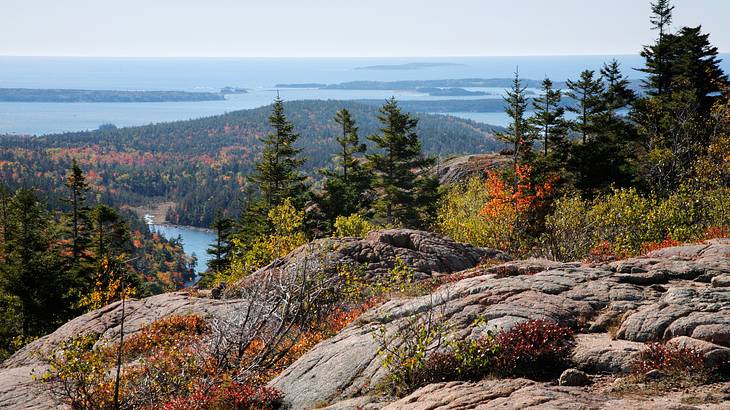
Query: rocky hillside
[{"x": 678, "y": 295}]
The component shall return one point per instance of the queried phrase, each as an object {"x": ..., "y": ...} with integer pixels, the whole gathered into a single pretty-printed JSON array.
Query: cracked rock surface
[
  {"x": 672, "y": 299},
  {"x": 671, "y": 295}
]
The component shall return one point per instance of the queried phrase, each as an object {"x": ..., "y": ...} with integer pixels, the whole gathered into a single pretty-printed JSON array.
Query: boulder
[
  {"x": 460, "y": 169},
  {"x": 574, "y": 377},
  {"x": 721, "y": 281},
  {"x": 714, "y": 355},
  {"x": 598, "y": 353},
  {"x": 428, "y": 254}
]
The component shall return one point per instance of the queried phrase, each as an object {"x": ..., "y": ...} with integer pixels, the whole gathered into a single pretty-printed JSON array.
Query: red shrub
[
  {"x": 654, "y": 246},
  {"x": 604, "y": 252},
  {"x": 233, "y": 397},
  {"x": 715, "y": 232},
  {"x": 668, "y": 359},
  {"x": 533, "y": 348}
]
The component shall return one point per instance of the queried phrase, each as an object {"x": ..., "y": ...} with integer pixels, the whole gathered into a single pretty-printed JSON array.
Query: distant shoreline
[{"x": 43, "y": 95}]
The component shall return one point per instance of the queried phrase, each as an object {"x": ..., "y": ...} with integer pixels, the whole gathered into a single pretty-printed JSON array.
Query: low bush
[
  {"x": 352, "y": 226},
  {"x": 417, "y": 354},
  {"x": 668, "y": 359},
  {"x": 533, "y": 348}
]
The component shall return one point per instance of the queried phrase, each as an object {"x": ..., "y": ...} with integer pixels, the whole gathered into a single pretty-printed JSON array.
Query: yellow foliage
[
  {"x": 287, "y": 235},
  {"x": 352, "y": 226}
]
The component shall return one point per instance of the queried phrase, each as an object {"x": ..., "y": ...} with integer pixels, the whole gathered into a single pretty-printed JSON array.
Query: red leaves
[
  {"x": 533, "y": 346},
  {"x": 235, "y": 396},
  {"x": 668, "y": 359}
]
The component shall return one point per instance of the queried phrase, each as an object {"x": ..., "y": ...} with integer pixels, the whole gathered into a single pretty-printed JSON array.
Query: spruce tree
[
  {"x": 278, "y": 173},
  {"x": 77, "y": 187},
  {"x": 587, "y": 93},
  {"x": 405, "y": 193},
  {"x": 658, "y": 66},
  {"x": 346, "y": 186},
  {"x": 222, "y": 246},
  {"x": 618, "y": 94},
  {"x": 31, "y": 270},
  {"x": 520, "y": 133},
  {"x": 548, "y": 116}
]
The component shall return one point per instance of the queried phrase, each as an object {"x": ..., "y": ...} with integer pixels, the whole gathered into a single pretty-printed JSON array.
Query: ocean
[{"x": 259, "y": 76}]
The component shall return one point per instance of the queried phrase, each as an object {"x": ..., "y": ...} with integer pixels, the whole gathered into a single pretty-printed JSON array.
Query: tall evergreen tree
[
  {"x": 278, "y": 173},
  {"x": 222, "y": 246},
  {"x": 31, "y": 270},
  {"x": 405, "y": 191},
  {"x": 519, "y": 133},
  {"x": 346, "y": 187},
  {"x": 657, "y": 55},
  {"x": 548, "y": 116},
  {"x": 587, "y": 93},
  {"x": 618, "y": 94},
  {"x": 77, "y": 187},
  {"x": 111, "y": 243}
]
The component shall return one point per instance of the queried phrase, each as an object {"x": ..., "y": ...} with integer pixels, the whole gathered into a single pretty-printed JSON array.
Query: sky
[{"x": 344, "y": 28}]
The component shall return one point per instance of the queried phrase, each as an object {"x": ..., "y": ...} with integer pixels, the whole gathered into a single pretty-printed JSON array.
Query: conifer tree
[
  {"x": 111, "y": 242},
  {"x": 31, "y": 269},
  {"x": 519, "y": 133},
  {"x": 548, "y": 116},
  {"x": 618, "y": 94},
  {"x": 77, "y": 186},
  {"x": 346, "y": 187},
  {"x": 222, "y": 246},
  {"x": 657, "y": 55},
  {"x": 278, "y": 173},
  {"x": 587, "y": 93},
  {"x": 405, "y": 193}
]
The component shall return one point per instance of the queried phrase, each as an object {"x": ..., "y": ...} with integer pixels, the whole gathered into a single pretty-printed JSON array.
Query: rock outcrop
[
  {"x": 670, "y": 296},
  {"x": 594, "y": 300},
  {"x": 18, "y": 390},
  {"x": 428, "y": 254},
  {"x": 460, "y": 169}
]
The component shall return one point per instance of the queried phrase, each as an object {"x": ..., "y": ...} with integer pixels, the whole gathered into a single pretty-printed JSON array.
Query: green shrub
[
  {"x": 459, "y": 214},
  {"x": 569, "y": 235},
  {"x": 352, "y": 226}
]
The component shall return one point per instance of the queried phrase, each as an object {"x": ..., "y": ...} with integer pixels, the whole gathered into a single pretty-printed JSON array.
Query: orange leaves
[
  {"x": 521, "y": 199},
  {"x": 511, "y": 206}
]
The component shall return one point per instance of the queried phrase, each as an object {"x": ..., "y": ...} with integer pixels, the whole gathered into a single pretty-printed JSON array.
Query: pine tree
[
  {"x": 31, "y": 269},
  {"x": 77, "y": 186},
  {"x": 657, "y": 55},
  {"x": 278, "y": 173},
  {"x": 696, "y": 67},
  {"x": 346, "y": 187},
  {"x": 222, "y": 246},
  {"x": 519, "y": 133},
  {"x": 405, "y": 192},
  {"x": 548, "y": 116},
  {"x": 111, "y": 244},
  {"x": 587, "y": 93},
  {"x": 617, "y": 95}
]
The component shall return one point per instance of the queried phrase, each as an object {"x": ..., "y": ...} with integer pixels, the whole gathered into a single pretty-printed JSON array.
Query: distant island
[
  {"x": 416, "y": 84},
  {"x": 449, "y": 92},
  {"x": 407, "y": 66},
  {"x": 233, "y": 90},
  {"x": 95, "y": 96}
]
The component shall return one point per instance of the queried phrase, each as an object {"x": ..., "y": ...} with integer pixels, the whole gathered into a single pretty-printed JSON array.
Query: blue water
[
  {"x": 194, "y": 241},
  {"x": 258, "y": 75}
]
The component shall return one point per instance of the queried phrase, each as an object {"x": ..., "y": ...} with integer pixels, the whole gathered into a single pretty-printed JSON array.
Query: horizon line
[{"x": 315, "y": 57}]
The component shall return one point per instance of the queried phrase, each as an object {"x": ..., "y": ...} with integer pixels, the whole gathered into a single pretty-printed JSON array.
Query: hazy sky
[{"x": 344, "y": 28}]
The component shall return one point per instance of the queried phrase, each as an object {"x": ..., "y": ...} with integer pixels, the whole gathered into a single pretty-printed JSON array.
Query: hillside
[
  {"x": 201, "y": 164},
  {"x": 615, "y": 312}
]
